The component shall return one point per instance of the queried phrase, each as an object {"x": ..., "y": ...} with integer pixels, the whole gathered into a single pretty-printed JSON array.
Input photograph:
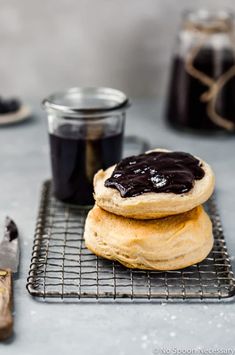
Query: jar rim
[
  {"x": 206, "y": 13},
  {"x": 206, "y": 18},
  {"x": 86, "y": 101}
]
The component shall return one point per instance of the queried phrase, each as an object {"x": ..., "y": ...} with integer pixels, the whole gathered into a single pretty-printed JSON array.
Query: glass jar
[
  {"x": 86, "y": 134},
  {"x": 202, "y": 84}
]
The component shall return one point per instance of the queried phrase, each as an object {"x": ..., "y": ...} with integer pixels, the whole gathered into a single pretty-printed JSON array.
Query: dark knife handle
[{"x": 6, "y": 291}]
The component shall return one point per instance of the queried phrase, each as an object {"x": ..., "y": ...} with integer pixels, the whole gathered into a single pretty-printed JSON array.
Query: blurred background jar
[{"x": 202, "y": 84}]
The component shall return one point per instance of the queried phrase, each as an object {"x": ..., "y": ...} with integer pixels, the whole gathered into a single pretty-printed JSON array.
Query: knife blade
[{"x": 9, "y": 262}]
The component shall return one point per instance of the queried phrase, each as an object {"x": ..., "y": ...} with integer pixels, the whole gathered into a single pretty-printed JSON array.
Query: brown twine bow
[{"x": 214, "y": 85}]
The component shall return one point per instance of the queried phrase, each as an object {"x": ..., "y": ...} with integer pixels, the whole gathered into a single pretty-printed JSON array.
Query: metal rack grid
[{"x": 62, "y": 268}]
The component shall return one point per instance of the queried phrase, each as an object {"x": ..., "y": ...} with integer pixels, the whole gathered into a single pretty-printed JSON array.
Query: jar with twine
[{"x": 202, "y": 86}]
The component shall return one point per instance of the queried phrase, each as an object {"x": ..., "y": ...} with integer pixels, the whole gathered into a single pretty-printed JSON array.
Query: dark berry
[{"x": 9, "y": 105}]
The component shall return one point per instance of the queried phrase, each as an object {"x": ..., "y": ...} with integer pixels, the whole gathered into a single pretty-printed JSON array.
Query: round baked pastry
[
  {"x": 157, "y": 204},
  {"x": 168, "y": 243}
]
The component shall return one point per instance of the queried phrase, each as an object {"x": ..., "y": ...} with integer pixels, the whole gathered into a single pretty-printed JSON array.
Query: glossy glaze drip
[{"x": 156, "y": 172}]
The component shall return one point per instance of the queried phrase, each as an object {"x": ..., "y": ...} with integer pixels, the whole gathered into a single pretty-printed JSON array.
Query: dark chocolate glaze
[{"x": 156, "y": 172}]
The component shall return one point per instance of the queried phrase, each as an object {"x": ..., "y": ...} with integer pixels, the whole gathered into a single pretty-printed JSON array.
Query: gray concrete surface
[
  {"x": 53, "y": 44},
  {"x": 119, "y": 329}
]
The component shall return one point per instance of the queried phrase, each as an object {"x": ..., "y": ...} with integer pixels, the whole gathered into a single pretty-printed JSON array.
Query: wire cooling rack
[{"x": 62, "y": 268}]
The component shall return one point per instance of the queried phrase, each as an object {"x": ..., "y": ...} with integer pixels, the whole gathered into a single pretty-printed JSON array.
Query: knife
[{"x": 9, "y": 261}]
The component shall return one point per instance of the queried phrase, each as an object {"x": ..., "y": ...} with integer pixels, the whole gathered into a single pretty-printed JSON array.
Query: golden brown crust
[
  {"x": 169, "y": 243},
  {"x": 152, "y": 205}
]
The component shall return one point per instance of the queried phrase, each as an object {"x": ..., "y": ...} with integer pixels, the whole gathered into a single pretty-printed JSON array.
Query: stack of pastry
[{"x": 148, "y": 212}]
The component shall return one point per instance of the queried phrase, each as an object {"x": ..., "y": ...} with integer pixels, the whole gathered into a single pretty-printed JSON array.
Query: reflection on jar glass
[{"x": 202, "y": 84}]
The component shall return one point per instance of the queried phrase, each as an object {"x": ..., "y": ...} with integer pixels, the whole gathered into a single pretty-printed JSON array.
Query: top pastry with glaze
[
  {"x": 151, "y": 205},
  {"x": 157, "y": 172}
]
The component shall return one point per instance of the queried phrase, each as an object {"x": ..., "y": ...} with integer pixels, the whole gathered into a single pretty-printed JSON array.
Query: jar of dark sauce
[
  {"x": 86, "y": 134},
  {"x": 202, "y": 84}
]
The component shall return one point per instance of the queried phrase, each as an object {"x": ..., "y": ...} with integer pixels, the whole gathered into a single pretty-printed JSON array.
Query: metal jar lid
[{"x": 88, "y": 101}]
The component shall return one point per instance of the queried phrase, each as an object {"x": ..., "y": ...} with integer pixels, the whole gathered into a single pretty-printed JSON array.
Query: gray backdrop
[{"x": 47, "y": 45}]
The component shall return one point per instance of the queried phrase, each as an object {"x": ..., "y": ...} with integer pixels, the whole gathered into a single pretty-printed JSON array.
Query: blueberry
[
  {"x": 9, "y": 105},
  {"x": 13, "y": 105}
]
